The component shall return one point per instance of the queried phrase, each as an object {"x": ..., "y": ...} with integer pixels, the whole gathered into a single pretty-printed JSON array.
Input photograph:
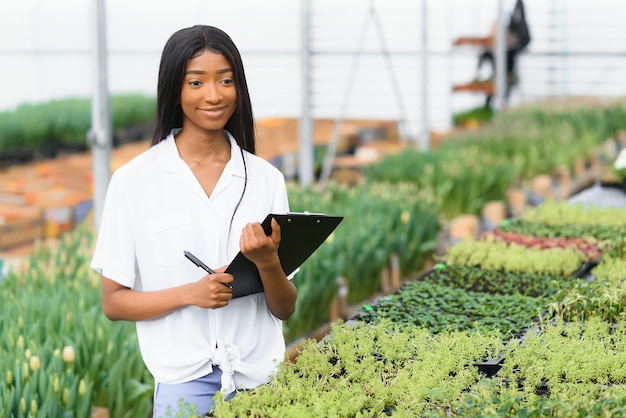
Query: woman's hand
[
  {"x": 258, "y": 247},
  {"x": 262, "y": 250},
  {"x": 213, "y": 291}
]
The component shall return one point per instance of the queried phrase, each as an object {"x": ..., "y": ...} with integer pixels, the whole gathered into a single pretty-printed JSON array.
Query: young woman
[{"x": 199, "y": 188}]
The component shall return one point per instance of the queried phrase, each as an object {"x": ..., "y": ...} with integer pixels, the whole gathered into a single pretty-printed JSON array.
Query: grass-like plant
[
  {"x": 469, "y": 169},
  {"x": 369, "y": 370},
  {"x": 609, "y": 239},
  {"x": 65, "y": 122},
  {"x": 603, "y": 297},
  {"x": 559, "y": 213},
  {"x": 492, "y": 398},
  {"x": 458, "y": 180},
  {"x": 478, "y": 115},
  {"x": 574, "y": 369},
  {"x": 59, "y": 354},
  {"x": 511, "y": 257},
  {"x": 440, "y": 308},
  {"x": 562, "y": 355},
  {"x": 541, "y": 136},
  {"x": 477, "y": 279}
]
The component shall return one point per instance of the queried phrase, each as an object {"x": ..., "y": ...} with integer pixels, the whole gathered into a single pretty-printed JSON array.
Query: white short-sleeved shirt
[{"x": 154, "y": 210}]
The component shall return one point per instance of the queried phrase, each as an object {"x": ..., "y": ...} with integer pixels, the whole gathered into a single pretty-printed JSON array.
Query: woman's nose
[{"x": 211, "y": 92}]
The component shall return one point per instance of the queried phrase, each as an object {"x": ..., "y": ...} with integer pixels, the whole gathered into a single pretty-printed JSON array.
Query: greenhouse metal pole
[
  {"x": 425, "y": 135},
  {"x": 100, "y": 135},
  {"x": 500, "y": 57},
  {"x": 305, "y": 164}
]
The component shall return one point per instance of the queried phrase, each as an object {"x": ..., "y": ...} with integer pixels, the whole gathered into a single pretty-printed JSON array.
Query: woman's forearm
[
  {"x": 122, "y": 303},
  {"x": 280, "y": 292}
]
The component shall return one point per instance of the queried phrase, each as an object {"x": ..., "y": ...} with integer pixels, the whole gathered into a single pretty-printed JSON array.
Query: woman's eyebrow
[{"x": 222, "y": 71}]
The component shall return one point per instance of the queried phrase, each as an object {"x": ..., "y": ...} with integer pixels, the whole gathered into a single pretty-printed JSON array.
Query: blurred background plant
[{"x": 44, "y": 129}]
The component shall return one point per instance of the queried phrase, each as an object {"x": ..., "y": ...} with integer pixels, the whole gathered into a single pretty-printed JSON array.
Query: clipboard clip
[{"x": 307, "y": 213}]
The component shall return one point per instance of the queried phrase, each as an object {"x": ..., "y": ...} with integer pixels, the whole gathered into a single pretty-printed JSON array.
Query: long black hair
[{"x": 182, "y": 46}]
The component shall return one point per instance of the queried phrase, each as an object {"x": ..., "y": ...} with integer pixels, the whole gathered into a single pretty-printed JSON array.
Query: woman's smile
[{"x": 214, "y": 112}]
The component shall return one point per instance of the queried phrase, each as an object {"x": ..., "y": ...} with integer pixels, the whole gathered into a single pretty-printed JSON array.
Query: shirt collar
[
  {"x": 236, "y": 157},
  {"x": 169, "y": 158}
]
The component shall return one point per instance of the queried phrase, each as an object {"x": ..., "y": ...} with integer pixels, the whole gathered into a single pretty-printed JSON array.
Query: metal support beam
[
  {"x": 305, "y": 166},
  {"x": 100, "y": 134},
  {"x": 424, "y": 140},
  {"x": 500, "y": 57}
]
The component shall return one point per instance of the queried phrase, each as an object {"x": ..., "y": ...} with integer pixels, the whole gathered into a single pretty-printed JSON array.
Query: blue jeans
[{"x": 194, "y": 398}]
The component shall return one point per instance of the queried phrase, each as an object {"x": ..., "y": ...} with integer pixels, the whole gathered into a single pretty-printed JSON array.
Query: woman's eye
[
  {"x": 227, "y": 81},
  {"x": 195, "y": 83}
]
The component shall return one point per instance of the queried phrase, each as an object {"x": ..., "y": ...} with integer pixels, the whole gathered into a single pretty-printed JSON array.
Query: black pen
[{"x": 203, "y": 266}]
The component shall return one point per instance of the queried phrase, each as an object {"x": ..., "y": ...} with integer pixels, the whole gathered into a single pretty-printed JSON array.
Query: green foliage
[
  {"x": 603, "y": 297},
  {"x": 440, "y": 308},
  {"x": 471, "y": 168},
  {"x": 510, "y": 257},
  {"x": 131, "y": 109},
  {"x": 563, "y": 355},
  {"x": 368, "y": 370},
  {"x": 541, "y": 136},
  {"x": 560, "y": 213},
  {"x": 67, "y": 121},
  {"x": 479, "y": 114},
  {"x": 362, "y": 245},
  {"x": 552, "y": 219},
  {"x": 492, "y": 399},
  {"x": 460, "y": 182},
  {"x": 499, "y": 282},
  {"x": 53, "y": 302}
]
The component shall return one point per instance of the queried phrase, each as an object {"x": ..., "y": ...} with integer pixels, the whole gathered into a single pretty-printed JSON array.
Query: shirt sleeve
[
  {"x": 114, "y": 255},
  {"x": 281, "y": 201}
]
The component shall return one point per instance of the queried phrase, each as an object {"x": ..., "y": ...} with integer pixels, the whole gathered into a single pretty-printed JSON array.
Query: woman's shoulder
[
  {"x": 253, "y": 161},
  {"x": 139, "y": 163},
  {"x": 260, "y": 164}
]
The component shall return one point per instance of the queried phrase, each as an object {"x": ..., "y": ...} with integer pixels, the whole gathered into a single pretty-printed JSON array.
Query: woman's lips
[{"x": 213, "y": 113}]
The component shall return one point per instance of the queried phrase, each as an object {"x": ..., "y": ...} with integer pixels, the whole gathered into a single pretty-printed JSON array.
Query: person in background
[
  {"x": 517, "y": 38},
  {"x": 199, "y": 188}
]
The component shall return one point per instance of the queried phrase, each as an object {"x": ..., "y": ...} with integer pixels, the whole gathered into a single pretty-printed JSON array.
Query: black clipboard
[{"x": 301, "y": 235}]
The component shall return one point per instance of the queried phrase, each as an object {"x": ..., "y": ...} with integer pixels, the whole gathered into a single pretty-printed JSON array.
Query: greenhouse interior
[{"x": 474, "y": 151}]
